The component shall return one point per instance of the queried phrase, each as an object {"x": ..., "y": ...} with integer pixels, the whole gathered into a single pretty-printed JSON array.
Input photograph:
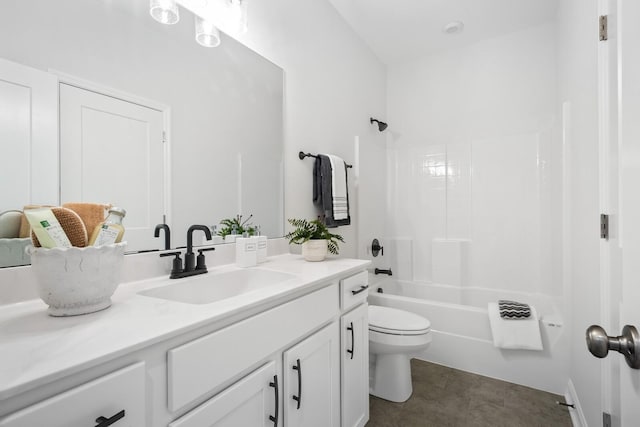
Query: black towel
[
  {"x": 322, "y": 192},
  {"x": 513, "y": 310}
]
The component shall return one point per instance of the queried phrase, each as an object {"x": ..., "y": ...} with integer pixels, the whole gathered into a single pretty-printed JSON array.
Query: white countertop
[{"x": 36, "y": 348}]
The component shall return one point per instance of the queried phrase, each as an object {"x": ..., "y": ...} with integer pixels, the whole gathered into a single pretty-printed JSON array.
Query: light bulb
[
  {"x": 206, "y": 33},
  {"x": 164, "y": 11}
]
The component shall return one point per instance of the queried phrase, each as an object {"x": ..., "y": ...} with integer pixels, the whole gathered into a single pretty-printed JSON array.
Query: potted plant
[
  {"x": 315, "y": 238},
  {"x": 236, "y": 226}
]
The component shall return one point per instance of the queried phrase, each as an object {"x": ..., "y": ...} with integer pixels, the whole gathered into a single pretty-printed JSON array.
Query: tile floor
[{"x": 448, "y": 397}]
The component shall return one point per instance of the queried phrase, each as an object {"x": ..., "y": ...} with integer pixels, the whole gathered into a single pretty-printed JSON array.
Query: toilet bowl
[{"x": 394, "y": 335}]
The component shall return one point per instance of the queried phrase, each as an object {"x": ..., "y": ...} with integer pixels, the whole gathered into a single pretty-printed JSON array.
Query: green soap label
[{"x": 45, "y": 224}]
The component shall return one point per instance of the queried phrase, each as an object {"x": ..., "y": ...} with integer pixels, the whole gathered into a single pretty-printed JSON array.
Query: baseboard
[{"x": 571, "y": 397}]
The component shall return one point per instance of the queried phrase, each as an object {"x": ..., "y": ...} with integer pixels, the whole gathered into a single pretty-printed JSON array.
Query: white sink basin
[{"x": 208, "y": 288}]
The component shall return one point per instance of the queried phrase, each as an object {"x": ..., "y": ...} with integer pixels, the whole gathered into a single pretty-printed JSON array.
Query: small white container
[
  {"x": 246, "y": 252},
  {"x": 73, "y": 281},
  {"x": 261, "y": 241}
]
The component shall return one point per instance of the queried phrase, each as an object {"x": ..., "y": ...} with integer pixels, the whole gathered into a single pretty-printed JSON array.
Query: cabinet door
[
  {"x": 354, "y": 331},
  {"x": 250, "y": 402},
  {"x": 312, "y": 380},
  {"x": 117, "y": 399}
]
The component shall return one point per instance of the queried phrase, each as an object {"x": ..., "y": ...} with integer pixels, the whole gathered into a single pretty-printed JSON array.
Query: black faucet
[
  {"x": 167, "y": 235},
  {"x": 189, "y": 257},
  {"x": 191, "y": 267},
  {"x": 380, "y": 271}
]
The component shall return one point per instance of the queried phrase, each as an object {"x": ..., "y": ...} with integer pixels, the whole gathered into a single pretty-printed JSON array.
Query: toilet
[{"x": 394, "y": 335}]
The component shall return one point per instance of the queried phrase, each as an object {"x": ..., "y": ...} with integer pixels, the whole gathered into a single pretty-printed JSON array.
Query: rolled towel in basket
[{"x": 514, "y": 310}]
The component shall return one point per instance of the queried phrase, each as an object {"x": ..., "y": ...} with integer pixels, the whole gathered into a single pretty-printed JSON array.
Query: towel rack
[{"x": 302, "y": 155}]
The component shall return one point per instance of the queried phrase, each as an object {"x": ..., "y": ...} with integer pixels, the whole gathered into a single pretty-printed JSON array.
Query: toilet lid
[{"x": 393, "y": 321}]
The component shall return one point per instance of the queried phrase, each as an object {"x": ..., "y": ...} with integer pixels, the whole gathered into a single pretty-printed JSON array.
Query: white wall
[
  {"x": 473, "y": 155},
  {"x": 334, "y": 83},
  {"x": 577, "y": 56}
]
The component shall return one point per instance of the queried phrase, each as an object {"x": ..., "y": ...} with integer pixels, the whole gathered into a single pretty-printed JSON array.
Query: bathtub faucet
[{"x": 379, "y": 271}]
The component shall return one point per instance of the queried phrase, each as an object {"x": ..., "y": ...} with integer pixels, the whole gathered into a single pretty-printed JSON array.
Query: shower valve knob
[
  {"x": 627, "y": 344},
  {"x": 376, "y": 248}
]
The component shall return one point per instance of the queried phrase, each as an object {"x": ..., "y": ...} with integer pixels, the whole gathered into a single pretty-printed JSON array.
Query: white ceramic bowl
[
  {"x": 12, "y": 252},
  {"x": 73, "y": 281}
]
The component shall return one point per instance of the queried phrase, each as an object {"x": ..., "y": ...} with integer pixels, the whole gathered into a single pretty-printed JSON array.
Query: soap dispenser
[
  {"x": 261, "y": 242},
  {"x": 246, "y": 251}
]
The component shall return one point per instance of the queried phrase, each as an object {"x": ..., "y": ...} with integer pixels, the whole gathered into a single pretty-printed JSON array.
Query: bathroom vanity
[{"x": 286, "y": 346}]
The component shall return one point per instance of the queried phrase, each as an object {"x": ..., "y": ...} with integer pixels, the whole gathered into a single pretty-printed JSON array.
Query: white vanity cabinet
[
  {"x": 294, "y": 360},
  {"x": 117, "y": 400},
  {"x": 312, "y": 380},
  {"x": 252, "y": 401},
  {"x": 355, "y": 367},
  {"x": 354, "y": 363}
]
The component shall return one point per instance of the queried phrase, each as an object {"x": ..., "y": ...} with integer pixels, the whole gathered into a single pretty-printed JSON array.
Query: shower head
[{"x": 381, "y": 125}]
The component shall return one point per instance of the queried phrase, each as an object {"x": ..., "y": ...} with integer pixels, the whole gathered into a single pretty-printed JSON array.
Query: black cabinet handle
[
  {"x": 353, "y": 341},
  {"x": 104, "y": 421},
  {"x": 362, "y": 289},
  {"x": 298, "y": 368},
  {"x": 274, "y": 384}
]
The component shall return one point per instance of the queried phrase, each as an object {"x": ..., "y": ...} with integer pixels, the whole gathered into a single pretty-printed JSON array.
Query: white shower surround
[
  {"x": 474, "y": 154},
  {"x": 475, "y": 159},
  {"x": 462, "y": 335}
]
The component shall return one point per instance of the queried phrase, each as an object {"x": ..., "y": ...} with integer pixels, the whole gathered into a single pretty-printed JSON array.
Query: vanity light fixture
[
  {"x": 207, "y": 34},
  {"x": 164, "y": 11}
]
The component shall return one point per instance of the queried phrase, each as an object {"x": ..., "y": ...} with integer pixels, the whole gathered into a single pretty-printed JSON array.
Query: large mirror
[{"x": 221, "y": 111}]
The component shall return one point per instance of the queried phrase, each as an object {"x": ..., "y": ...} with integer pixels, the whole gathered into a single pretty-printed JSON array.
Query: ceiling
[{"x": 404, "y": 30}]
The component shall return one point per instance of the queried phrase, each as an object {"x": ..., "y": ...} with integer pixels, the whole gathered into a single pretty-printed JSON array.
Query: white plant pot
[
  {"x": 314, "y": 250},
  {"x": 73, "y": 281}
]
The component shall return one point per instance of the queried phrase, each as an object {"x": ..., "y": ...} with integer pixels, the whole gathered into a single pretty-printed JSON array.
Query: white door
[
  {"x": 28, "y": 136},
  {"x": 629, "y": 133},
  {"x": 112, "y": 152},
  {"x": 354, "y": 328},
  {"x": 249, "y": 402},
  {"x": 311, "y": 371}
]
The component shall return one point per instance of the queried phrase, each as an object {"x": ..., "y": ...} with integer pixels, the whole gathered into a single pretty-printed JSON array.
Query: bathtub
[{"x": 461, "y": 335}]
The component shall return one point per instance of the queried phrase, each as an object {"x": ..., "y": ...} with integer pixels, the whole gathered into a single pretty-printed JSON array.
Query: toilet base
[{"x": 392, "y": 377}]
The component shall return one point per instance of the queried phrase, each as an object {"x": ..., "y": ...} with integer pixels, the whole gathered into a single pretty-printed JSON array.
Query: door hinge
[
  {"x": 164, "y": 137},
  {"x": 604, "y": 226},
  {"x": 606, "y": 420},
  {"x": 603, "y": 28}
]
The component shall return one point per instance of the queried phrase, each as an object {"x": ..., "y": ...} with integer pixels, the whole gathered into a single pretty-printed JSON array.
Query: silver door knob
[{"x": 627, "y": 344}]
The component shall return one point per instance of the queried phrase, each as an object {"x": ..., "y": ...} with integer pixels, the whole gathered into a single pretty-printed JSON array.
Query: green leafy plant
[
  {"x": 313, "y": 230},
  {"x": 237, "y": 226}
]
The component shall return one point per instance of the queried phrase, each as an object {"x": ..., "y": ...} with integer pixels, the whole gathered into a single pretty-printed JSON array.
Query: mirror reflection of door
[
  {"x": 28, "y": 136},
  {"x": 112, "y": 152}
]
